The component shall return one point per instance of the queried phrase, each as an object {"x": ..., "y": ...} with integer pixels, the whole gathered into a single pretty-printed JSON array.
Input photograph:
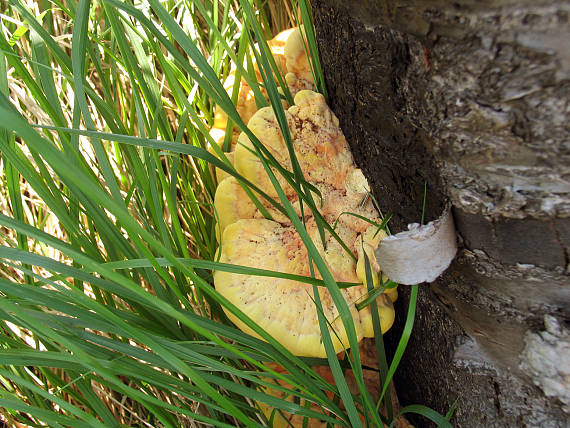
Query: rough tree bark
[{"x": 471, "y": 97}]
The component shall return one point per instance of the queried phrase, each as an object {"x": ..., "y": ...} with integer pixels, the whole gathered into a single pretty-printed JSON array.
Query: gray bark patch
[{"x": 546, "y": 360}]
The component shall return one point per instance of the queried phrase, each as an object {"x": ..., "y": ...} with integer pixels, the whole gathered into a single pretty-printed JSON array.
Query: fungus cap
[
  {"x": 232, "y": 203},
  {"x": 296, "y": 55},
  {"x": 284, "y": 308}
]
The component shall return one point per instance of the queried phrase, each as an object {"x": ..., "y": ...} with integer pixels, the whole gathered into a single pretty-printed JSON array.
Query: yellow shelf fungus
[{"x": 286, "y": 308}]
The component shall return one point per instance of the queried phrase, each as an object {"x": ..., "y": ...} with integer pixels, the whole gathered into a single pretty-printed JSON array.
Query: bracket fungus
[
  {"x": 420, "y": 254},
  {"x": 289, "y": 54},
  {"x": 283, "y": 307}
]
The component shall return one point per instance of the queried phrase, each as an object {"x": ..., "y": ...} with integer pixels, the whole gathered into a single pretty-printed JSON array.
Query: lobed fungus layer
[{"x": 285, "y": 308}]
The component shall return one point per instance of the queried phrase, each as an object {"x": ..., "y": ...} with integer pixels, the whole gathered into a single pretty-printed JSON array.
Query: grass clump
[{"x": 107, "y": 226}]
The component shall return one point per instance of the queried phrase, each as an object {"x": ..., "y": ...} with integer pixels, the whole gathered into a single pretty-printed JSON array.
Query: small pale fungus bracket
[{"x": 420, "y": 254}]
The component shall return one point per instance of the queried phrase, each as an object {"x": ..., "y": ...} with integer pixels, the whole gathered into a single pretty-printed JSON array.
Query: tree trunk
[{"x": 472, "y": 98}]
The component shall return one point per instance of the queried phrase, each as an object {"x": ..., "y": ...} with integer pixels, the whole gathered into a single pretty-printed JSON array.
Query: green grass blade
[
  {"x": 430, "y": 414},
  {"x": 78, "y": 49},
  {"x": 310, "y": 38},
  {"x": 403, "y": 340},
  {"x": 378, "y": 339}
]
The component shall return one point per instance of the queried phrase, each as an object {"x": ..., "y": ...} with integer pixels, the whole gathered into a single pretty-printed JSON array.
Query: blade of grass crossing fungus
[
  {"x": 374, "y": 293},
  {"x": 267, "y": 64},
  {"x": 309, "y": 36},
  {"x": 339, "y": 301},
  {"x": 378, "y": 339},
  {"x": 210, "y": 265},
  {"x": 403, "y": 342},
  {"x": 379, "y": 226},
  {"x": 333, "y": 288}
]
